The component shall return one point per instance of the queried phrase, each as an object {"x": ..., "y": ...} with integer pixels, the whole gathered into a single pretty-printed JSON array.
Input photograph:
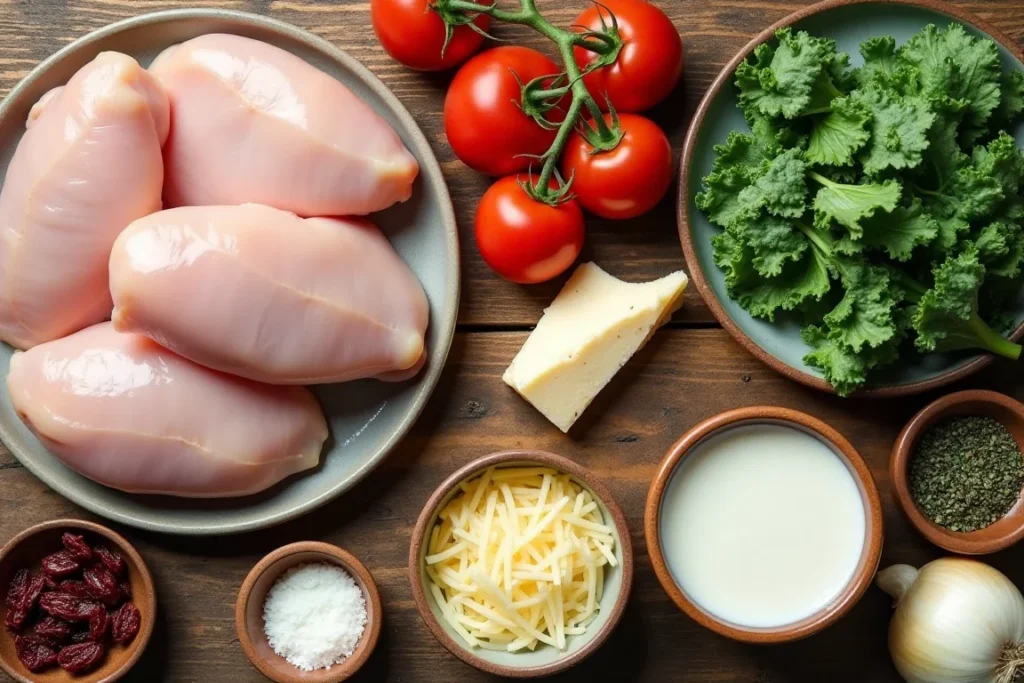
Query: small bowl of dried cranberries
[{"x": 77, "y": 603}]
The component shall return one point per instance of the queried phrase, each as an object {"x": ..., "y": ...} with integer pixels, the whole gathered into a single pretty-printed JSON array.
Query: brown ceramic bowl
[
  {"x": 839, "y": 605},
  {"x": 995, "y": 537},
  {"x": 545, "y": 660},
  {"x": 27, "y": 549},
  {"x": 249, "y": 612}
]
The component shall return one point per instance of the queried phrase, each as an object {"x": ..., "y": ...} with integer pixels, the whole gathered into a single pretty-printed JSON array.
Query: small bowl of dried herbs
[{"x": 958, "y": 471}]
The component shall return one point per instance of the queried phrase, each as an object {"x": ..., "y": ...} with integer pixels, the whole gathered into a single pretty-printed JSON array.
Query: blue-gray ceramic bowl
[{"x": 778, "y": 343}]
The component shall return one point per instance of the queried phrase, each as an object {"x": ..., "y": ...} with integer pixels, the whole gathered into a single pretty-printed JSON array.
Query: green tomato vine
[{"x": 540, "y": 96}]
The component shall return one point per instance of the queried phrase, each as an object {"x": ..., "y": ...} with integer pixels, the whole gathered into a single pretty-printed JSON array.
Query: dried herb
[{"x": 966, "y": 473}]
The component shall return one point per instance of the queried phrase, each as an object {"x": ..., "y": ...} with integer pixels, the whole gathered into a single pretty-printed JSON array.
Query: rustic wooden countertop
[{"x": 689, "y": 371}]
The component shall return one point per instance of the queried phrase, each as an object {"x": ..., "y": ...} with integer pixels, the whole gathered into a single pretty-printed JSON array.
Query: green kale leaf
[
  {"x": 880, "y": 62},
  {"x": 946, "y": 317},
  {"x": 899, "y": 130},
  {"x": 773, "y": 241},
  {"x": 848, "y": 205},
  {"x": 763, "y": 296},
  {"x": 1003, "y": 161},
  {"x": 838, "y": 135},
  {"x": 956, "y": 64},
  {"x": 900, "y": 231},
  {"x": 864, "y": 316},
  {"x": 1000, "y": 247},
  {"x": 846, "y": 370},
  {"x": 779, "y": 80},
  {"x": 780, "y": 186},
  {"x": 1011, "y": 99}
]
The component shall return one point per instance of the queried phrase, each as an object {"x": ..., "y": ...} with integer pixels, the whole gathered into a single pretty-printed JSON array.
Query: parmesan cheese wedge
[{"x": 595, "y": 324}]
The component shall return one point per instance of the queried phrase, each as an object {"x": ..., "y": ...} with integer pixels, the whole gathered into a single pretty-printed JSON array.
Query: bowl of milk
[{"x": 764, "y": 524}]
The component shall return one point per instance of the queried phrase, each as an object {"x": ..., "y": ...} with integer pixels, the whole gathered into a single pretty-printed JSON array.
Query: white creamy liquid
[{"x": 762, "y": 525}]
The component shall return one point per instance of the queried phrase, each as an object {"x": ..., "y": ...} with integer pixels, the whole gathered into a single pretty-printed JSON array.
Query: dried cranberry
[
  {"x": 68, "y": 607},
  {"x": 51, "y": 583},
  {"x": 60, "y": 564},
  {"x": 15, "y": 619},
  {"x": 53, "y": 628},
  {"x": 80, "y": 657},
  {"x": 32, "y": 592},
  {"x": 99, "y": 625},
  {"x": 76, "y": 588},
  {"x": 18, "y": 615},
  {"x": 110, "y": 559},
  {"x": 127, "y": 621},
  {"x": 17, "y": 587},
  {"x": 126, "y": 590},
  {"x": 35, "y": 653},
  {"x": 101, "y": 584},
  {"x": 76, "y": 547}
]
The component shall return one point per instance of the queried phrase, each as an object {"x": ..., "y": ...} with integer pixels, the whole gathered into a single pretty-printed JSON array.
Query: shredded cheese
[{"x": 517, "y": 559}]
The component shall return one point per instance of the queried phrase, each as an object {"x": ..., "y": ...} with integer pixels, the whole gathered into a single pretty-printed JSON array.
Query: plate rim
[
  {"x": 429, "y": 166},
  {"x": 683, "y": 201}
]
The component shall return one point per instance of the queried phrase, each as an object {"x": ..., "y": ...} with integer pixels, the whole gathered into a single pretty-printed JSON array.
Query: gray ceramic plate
[
  {"x": 367, "y": 418},
  {"x": 778, "y": 344}
]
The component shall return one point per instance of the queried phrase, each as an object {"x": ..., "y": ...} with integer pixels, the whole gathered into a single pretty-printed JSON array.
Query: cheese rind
[{"x": 595, "y": 324}]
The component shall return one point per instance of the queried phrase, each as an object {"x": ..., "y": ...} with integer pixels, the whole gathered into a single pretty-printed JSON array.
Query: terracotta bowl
[
  {"x": 866, "y": 568},
  {"x": 249, "y": 612},
  {"x": 545, "y": 660},
  {"x": 993, "y": 538},
  {"x": 27, "y": 549}
]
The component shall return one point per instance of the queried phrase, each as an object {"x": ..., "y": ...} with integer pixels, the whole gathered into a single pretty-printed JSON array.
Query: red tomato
[
  {"x": 649, "y": 64},
  {"x": 414, "y": 34},
  {"x": 626, "y": 181},
  {"x": 524, "y": 240},
  {"x": 482, "y": 117}
]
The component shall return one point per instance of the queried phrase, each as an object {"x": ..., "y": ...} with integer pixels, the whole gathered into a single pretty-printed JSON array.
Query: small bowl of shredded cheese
[
  {"x": 308, "y": 612},
  {"x": 521, "y": 563}
]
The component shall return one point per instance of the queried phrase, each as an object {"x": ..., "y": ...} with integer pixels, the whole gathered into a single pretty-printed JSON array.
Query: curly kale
[{"x": 881, "y": 203}]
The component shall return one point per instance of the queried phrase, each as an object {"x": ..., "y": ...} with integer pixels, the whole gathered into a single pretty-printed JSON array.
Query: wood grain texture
[{"x": 681, "y": 377}]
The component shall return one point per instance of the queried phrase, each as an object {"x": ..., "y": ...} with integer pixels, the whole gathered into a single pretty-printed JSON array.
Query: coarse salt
[{"x": 314, "y": 616}]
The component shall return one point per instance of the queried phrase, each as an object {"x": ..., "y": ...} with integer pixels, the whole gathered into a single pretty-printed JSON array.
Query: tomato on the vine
[
  {"x": 414, "y": 34},
  {"x": 626, "y": 181},
  {"x": 524, "y": 240},
  {"x": 483, "y": 118},
  {"x": 649, "y": 64}
]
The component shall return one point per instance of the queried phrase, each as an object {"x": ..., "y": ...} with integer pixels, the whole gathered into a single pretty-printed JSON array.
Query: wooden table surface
[{"x": 689, "y": 371}]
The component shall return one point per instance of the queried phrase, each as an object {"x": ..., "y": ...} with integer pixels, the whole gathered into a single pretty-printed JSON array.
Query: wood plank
[
  {"x": 639, "y": 249},
  {"x": 680, "y": 378}
]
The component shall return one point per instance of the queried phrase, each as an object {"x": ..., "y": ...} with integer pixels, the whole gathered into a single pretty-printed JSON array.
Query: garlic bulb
[{"x": 956, "y": 621}]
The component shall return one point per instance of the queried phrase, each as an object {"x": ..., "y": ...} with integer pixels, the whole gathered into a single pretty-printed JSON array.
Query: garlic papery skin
[{"x": 956, "y": 621}]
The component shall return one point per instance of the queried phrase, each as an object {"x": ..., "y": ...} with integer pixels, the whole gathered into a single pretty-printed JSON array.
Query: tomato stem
[
  {"x": 606, "y": 45},
  {"x": 579, "y": 89},
  {"x": 551, "y": 93},
  {"x": 551, "y": 159}
]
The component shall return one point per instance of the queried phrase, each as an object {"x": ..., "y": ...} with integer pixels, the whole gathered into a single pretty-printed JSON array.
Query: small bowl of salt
[{"x": 308, "y": 612}]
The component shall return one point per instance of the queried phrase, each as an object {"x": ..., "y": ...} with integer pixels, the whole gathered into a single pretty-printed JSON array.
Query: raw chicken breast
[
  {"x": 88, "y": 165},
  {"x": 253, "y": 123},
  {"x": 129, "y": 414},
  {"x": 264, "y": 294}
]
